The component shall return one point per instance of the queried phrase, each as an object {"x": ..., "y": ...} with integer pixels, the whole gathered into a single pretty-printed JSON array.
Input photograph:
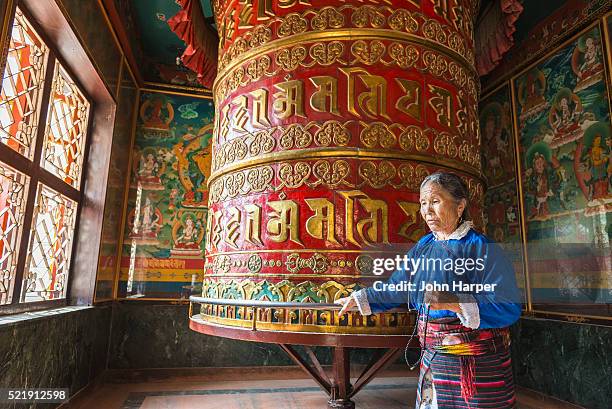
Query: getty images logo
[{"x": 411, "y": 265}]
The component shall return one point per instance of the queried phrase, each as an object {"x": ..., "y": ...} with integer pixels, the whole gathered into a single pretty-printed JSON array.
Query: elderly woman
[{"x": 463, "y": 328}]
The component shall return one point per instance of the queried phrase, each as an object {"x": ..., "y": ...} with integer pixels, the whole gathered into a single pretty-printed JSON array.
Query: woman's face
[{"x": 439, "y": 208}]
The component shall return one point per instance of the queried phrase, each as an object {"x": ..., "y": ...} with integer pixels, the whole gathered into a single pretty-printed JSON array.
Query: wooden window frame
[{"x": 64, "y": 48}]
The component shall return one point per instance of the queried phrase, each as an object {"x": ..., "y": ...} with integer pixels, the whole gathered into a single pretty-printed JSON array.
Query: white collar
[{"x": 460, "y": 232}]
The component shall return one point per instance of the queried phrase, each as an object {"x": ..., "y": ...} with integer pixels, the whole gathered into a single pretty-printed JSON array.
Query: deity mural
[
  {"x": 498, "y": 146},
  {"x": 541, "y": 180},
  {"x": 594, "y": 164},
  {"x": 149, "y": 164},
  {"x": 193, "y": 162},
  {"x": 167, "y": 202},
  {"x": 145, "y": 224},
  {"x": 565, "y": 159},
  {"x": 567, "y": 118},
  {"x": 587, "y": 61},
  {"x": 497, "y": 141},
  {"x": 501, "y": 199},
  {"x": 502, "y": 217},
  {"x": 531, "y": 88},
  {"x": 187, "y": 235},
  {"x": 156, "y": 115},
  {"x": 566, "y": 156}
]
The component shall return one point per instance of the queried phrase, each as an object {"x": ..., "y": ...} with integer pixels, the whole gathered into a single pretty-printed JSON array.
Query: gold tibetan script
[
  {"x": 442, "y": 104},
  {"x": 324, "y": 216},
  {"x": 410, "y": 103},
  {"x": 260, "y": 108},
  {"x": 375, "y": 207},
  {"x": 372, "y": 102},
  {"x": 252, "y": 230},
  {"x": 284, "y": 219},
  {"x": 325, "y": 95},
  {"x": 288, "y": 99},
  {"x": 366, "y": 221},
  {"x": 232, "y": 227}
]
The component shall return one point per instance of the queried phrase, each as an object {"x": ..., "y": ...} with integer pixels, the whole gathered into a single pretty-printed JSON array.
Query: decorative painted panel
[
  {"x": 563, "y": 122},
  {"x": 167, "y": 206},
  {"x": 497, "y": 137},
  {"x": 502, "y": 216}
]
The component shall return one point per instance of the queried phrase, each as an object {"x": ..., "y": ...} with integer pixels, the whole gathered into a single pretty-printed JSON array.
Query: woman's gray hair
[{"x": 454, "y": 185}]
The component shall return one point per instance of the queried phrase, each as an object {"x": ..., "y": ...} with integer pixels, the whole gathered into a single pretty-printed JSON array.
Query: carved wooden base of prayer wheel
[
  {"x": 337, "y": 383},
  {"x": 329, "y": 114}
]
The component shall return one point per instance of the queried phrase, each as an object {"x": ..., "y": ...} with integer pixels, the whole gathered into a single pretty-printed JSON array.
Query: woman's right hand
[{"x": 348, "y": 304}]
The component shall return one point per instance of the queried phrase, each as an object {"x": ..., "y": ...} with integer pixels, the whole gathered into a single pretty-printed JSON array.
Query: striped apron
[{"x": 464, "y": 368}]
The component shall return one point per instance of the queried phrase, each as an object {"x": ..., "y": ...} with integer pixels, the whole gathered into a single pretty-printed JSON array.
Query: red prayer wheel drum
[{"x": 329, "y": 115}]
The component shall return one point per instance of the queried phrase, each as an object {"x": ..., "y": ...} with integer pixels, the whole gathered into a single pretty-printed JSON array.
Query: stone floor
[{"x": 255, "y": 388}]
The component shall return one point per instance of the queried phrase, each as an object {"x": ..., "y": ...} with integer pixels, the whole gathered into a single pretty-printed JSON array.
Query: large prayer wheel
[{"x": 329, "y": 114}]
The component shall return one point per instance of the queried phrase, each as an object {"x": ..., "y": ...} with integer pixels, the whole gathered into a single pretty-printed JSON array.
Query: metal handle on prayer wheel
[
  {"x": 266, "y": 304},
  {"x": 256, "y": 304}
]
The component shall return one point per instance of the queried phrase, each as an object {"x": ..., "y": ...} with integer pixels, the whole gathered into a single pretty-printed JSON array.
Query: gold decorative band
[
  {"x": 289, "y": 276},
  {"x": 342, "y": 34},
  {"x": 352, "y": 328},
  {"x": 353, "y": 153},
  {"x": 339, "y": 251},
  {"x": 302, "y": 320}
]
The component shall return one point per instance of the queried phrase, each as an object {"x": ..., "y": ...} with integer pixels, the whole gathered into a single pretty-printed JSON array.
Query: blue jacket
[{"x": 498, "y": 303}]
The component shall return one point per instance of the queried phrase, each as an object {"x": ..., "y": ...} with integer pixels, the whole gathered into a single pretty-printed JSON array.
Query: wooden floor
[{"x": 254, "y": 388}]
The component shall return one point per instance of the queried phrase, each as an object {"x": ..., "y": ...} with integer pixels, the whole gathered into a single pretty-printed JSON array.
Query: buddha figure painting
[
  {"x": 170, "y": 166},
  {"x": 187, "y": 235},
  {"x": 495, "y": 125},
  {"x": 149, "y": 165},
  {"x": 567, "y": 118},
  {"x": 501, "y": 216},
  {"x": 593, "y": 168},
  {"x": 531, "y": 89},
  {"x": 542, "y": 182},
  {"x": 146, "y": 224},
  {"x": 497, "y": 218},
  {"x": 587, "y": 61},
  {"x": 156, "y": 113}
]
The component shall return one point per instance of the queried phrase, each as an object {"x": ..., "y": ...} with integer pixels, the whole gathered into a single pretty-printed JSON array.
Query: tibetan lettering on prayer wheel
[{"x": 329, "y": 115}]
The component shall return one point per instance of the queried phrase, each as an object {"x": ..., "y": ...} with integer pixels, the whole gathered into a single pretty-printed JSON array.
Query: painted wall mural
[
  {"x": 497, "y": 136},
  {"x": 167, "y": 205},
  {"x": 502, "y": 206},
  {"x": 563, "y": 122}
]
